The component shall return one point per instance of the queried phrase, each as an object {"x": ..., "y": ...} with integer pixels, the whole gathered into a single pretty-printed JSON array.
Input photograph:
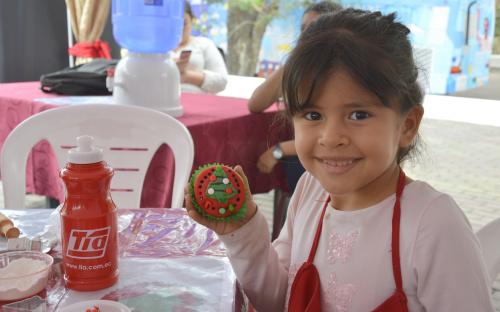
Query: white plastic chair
[
  {"x": 128, "y": 135},
  {"x": 489, "y": 237}
]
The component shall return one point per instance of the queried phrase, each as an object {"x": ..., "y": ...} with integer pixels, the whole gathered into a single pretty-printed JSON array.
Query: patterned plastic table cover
[{"x": 167, "y": 263}]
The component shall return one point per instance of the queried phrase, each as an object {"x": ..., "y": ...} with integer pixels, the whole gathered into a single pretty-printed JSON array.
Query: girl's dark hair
[
  {"x": 372, "y": 47},
  {"x": 323, "y": 7},
  {"x": 187, "y": 9}
]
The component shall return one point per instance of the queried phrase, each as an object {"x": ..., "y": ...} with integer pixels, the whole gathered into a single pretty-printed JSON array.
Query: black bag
[{"x": 85, "y": 79}]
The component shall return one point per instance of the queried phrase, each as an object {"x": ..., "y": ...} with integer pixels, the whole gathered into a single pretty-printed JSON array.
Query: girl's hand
[
  {"x": 266, "y": 161},
  {"x": 222, "y": 228}
]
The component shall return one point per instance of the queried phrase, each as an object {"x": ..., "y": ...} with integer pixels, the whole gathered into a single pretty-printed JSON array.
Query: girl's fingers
[
  {"x": 197, "y": 217},
  {"x": 239, "y": 170},
  {"x": 187, "y": 202}
]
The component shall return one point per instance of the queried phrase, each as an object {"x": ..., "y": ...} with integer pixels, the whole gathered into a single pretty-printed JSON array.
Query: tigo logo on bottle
[{"x": 88, "y": 244}]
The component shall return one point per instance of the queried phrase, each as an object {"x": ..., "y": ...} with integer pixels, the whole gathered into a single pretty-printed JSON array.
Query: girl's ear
[{"x": 410, "y": 125}]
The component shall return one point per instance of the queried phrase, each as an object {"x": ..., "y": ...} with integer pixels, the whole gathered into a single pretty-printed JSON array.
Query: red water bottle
[{"x": 88, "y": 220}]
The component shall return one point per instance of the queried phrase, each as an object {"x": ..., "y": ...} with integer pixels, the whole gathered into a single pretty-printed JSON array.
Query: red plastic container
[{"x": 88, "y": 220}]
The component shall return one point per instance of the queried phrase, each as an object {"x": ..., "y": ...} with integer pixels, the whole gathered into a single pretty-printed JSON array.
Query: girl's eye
[
  {"x": 359, "y": 115},
  {"x": 312, "y": 116}
]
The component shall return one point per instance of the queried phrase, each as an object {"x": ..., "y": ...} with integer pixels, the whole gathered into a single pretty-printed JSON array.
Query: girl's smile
[{"x": 338, "y": 165}]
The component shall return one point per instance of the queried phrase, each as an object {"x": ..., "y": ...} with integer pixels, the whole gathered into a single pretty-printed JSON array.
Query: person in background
[
  {"x": 269, "y": 92},
  {"x": 359, "y": 234},
  {"x": 201, "y": 65}
]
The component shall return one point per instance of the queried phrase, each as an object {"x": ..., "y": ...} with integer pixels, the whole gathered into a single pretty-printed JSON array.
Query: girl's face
[{"x": 349, "y": 141}]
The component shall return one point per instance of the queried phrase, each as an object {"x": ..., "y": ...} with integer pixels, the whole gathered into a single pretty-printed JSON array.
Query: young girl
[{"x": 359, "y": 235}]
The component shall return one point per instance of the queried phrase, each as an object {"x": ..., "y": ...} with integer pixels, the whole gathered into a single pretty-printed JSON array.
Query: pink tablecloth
[{"x": 222, "y": 129}]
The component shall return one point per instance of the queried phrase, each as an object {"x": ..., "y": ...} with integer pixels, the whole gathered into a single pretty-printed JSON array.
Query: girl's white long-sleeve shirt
[
  {"x": 441, "y": 261},
  {"x": 206, "y": 58}
]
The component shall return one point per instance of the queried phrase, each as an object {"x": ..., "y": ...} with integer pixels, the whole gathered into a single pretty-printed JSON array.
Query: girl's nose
[{"x": 334, "y": 135}]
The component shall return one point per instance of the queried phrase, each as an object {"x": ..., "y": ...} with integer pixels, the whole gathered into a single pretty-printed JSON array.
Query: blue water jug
[{"x": 148, "y": 26}]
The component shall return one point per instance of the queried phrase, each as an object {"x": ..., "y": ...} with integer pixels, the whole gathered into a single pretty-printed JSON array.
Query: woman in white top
[{"x": 203, "y": 68}]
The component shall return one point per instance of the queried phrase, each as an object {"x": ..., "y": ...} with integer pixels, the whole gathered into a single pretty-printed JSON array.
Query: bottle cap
[{"x": 85, "y": 152}]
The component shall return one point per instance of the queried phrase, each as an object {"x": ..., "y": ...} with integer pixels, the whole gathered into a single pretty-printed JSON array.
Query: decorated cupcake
[{"x": 218, "y": 193}]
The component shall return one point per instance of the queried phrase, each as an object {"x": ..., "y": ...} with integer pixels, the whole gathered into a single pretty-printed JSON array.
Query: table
[
  {"x": 166, "y": 262},
  {"x": 222, "y": 129}
]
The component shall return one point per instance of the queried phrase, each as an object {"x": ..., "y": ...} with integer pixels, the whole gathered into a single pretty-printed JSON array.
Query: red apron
[{"x": 305, "y": 294}]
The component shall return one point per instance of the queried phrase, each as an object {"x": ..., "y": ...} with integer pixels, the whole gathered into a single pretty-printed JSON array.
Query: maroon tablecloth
[{"x": 222, "y": 129}]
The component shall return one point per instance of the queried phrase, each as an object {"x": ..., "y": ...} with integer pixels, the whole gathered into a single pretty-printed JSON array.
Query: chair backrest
[
  {"x": 489, "y": 237},
  {"x": 128, "y": 135}
]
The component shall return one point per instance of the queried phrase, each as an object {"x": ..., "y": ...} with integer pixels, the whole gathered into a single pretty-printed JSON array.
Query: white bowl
[
  {"x": 23, "y": 274},
  {"x": 103, "y": 305}
]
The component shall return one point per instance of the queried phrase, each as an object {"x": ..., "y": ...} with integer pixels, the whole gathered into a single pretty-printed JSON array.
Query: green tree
[{"x": 220, "y": 188}]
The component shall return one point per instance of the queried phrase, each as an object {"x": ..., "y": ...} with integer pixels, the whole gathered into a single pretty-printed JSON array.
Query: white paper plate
[{"x": 103, "y": 305}]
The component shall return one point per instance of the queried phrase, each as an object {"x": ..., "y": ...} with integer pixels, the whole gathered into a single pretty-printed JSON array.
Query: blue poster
[
  {"x": 456, "y": 36},
  {"x": 452, "y": 38}
]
